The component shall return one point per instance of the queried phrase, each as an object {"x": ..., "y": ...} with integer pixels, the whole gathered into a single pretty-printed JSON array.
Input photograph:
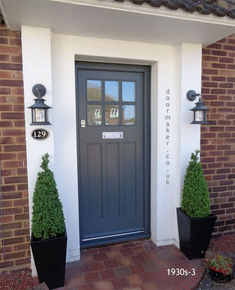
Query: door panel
[{"x": 113, "y": 141}]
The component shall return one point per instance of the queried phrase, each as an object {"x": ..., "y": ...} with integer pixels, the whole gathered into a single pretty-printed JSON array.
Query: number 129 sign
[{"x": 40, "y": 134}]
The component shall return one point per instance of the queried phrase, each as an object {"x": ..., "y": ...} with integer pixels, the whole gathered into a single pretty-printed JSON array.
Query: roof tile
[{"x": 217, "y": 7}]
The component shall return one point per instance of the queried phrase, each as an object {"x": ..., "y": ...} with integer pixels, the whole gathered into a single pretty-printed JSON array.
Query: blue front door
[{"x": 113, "y": 146}]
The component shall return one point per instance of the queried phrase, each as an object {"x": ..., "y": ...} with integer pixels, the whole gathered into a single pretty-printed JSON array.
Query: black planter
[
  {"x": 194, "y": 234},
  {"x": 50, "y": 258},
  {"x": 220, "y": 277}
]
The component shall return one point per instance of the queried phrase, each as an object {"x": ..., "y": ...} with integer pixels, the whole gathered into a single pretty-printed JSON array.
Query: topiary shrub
[
  {"x": 195, "y": 197},
  {"x": 47, "y": 217}
]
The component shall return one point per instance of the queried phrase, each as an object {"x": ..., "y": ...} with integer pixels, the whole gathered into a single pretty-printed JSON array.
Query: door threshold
[{"x": 109, "y": 240}]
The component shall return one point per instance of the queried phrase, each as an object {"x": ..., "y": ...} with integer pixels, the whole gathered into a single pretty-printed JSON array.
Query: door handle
[{"x": 83, "y": 123}]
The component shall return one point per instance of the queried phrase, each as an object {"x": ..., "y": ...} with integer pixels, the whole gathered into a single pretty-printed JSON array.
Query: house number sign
[{"x": 40, "y": 134}]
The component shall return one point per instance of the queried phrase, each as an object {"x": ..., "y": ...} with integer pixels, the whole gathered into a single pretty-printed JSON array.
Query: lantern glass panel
[
  {"x": 39, "y": 115},
  {"x": 199, "y": 116}
]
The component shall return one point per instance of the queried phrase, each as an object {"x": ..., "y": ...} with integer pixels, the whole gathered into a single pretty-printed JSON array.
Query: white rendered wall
[{"x": 172, "y": 137}]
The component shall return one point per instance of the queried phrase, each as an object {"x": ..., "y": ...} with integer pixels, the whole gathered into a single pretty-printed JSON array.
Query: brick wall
[
  {"x": 218, "y": 138},
  {"x": 14, "y": 213}
]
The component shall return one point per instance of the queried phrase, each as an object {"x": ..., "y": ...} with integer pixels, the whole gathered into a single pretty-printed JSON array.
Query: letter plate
[{"x": 112, "y": 135}]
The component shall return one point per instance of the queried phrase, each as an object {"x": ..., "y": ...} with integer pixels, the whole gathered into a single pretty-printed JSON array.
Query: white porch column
[
  {"x": 176, "y": 137},
  {"x": 36, "y": 50},
  {"x": 190, "y": 71}
]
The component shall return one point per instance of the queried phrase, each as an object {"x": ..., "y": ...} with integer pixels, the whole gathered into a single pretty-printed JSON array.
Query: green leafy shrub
[
  {"x": 47, "y": 217},
  {"x": 195, "y": 198}
]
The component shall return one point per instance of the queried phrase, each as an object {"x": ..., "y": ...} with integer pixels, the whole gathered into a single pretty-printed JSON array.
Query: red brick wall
[
  {"x": 14, "y": 213},
  {"x": 218, "y": 138}
]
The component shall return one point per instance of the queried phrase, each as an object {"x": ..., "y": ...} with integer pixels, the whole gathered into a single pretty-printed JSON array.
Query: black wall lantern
[
  {"x": 39, "y": 109},
  {"x": 199, "y": 111}
]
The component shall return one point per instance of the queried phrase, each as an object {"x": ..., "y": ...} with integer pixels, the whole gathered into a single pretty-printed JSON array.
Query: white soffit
[{"x": 111, "y": 19}]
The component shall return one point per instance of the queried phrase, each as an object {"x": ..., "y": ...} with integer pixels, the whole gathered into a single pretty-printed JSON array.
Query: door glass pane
[
  {"x": 111, "y": 91},
  {"x": 94, "y": 115},
  {"x": 111, "y": 115},
  {"x": 128, "y": 91},
  {"x": 93, "y": 90},
  {"x": 128, "y": 115}
]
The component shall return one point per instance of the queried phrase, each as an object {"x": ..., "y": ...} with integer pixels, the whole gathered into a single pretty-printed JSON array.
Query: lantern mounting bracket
[
  {"x": 191, "y": 95},
  {"x": 39, "y": 90}
]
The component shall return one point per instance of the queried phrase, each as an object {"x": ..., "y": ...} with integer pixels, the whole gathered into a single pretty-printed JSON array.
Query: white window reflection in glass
[
  {"x": 128, "y": 91},
  {"x": 111, "y": 115},
  {"x": 97, "y": 113},
  {"x": 114, "y": 113},
  {"x": 94, "y": 115}
]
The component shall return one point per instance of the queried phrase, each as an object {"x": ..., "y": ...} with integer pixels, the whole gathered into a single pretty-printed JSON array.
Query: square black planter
[
  {"x": 194, "y": 234},
  {"x": 50, "y": 259}
]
